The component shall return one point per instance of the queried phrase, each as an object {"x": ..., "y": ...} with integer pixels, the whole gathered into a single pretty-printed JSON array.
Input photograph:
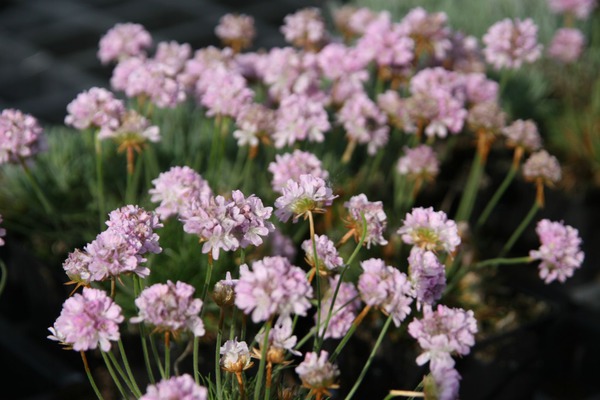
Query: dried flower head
[
  {"x": 20, "y": 136},
  {"x": 224, "y": 291},
  {"x": 308, "y": 194},
  {"x": 87, "y": 321},
  {"x": 124, "y": 41},
  {"x": 236, "y": 31},
  {"x": 559, "y": 252},
  {"x": 523, "y": 133},
  {"x": 512, "y": 43},
  {"x": 176, "y": 388},
  {"x": 430, "y": 230},
  {"x": 542, "y": 165},
  {"x": 486, "y": 117}
]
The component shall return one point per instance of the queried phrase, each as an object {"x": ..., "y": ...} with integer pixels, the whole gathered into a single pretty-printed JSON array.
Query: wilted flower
[
  {"x": 272, "y": 286},
  {"x": 486, "y": 117},
  {"x": 376, "y": 221},
  {"x": 523, "y": 133},
  {"x": 236, "y": 31},
  {"x": 307, "y": 194},
  {"x": 224, "y": 291},
  {"x": 96, "y": 108},
  {"x": 559, "y": 252},
  {"x": 176, "y": 388},
  {"x": 124, "y": 41},
  {"x": 291, "y": 165},
  {"x": 170, "y": 307},
  {"x": 511, "y": 43},
  {"x": 566, "y": 45},
  {"x": 20, "y": 136},
  {"x": 317, "y": 373},
  {"x": 430, "y": 230},
  {"x": 235, "y": 356},
  {"x": 327, "y": 254},
  {"x": 88, "y": 320},
  {"x": 385, "y": 287},
  {"x": 542, "y": 165}
]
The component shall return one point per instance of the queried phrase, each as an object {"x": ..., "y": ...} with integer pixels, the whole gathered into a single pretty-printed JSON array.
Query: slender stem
[
  {"x": 404, "y": 393},
  {"x": 143, "y": 335},
  {"x": 263, "y": 356},
  {"x": 503, "y": 261},
  {"x": 348, "y": 152},
  {"x": 130, "y": 385},
  {"x": 36, "y": 188},
  {"x": 167, "y": 355},
  {"x": 99, "y": 180},
  {"x": 317, "y": 342},
  {"x": 157, "y": 357},
  {"x": 370, "y": 359},
  {"x": 517, "y": 233},
  {"x": 467, "y": 200},
  {"x": 359, "y": 245},
  {"x": 499, "y": 193},
  {"x": 218, "y": 351},
  {"x": 4, "y": 272},
  {"x": 240, "y": 381},
  {"x": 136, "y": 388},
  {"x": 195, "y": 359},
  {"x": 206, "y": 282},
  {"x": 114, "y": 377},
  {"x": 269, "y": 377},
  {"x": 349, "y": 334},
  {"x": 89, "y": 375}
]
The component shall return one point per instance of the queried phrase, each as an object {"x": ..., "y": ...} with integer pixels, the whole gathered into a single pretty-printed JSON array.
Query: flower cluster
[
  {"x": 360, "y": 207},
  {"x": 327, "y": 255},
  {"x": 566, "y": 45},
  {"x": 419, "y": 162},
  {"x": 124, "y": 41},
  {"x": 317, "y": 373},
  {"x": 20, "y": 136},
  {"x": 178, "y": 387},
  {"x": 542, "y": 165},
  {"x": 308, "y": 194},
  {"x": 291, "y": 165},
  {"x": 511, "y": 43},
  {"x": 235, "y": 356},
  {"x": 430, "y": 230}
]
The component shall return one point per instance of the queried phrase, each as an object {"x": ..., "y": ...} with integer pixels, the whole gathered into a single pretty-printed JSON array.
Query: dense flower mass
[
  {"x": 305, "y": 28},
  {"x": 542, "y": 165},
  {"x": 511, "y": 43},
  {"x": 300, "y": 118},
  {"x": 559, "y": 252},
  {"x": 291, "y": 165},
  {"x": 87, "y": 321},
  {"x": 316, "y": 372},
  {"x": 376, "y": 220},
  {"x": 272, "y": 286},
  {"x": 170, "y": 307},
  {"x": 20, "y": 136},
  {"x": 566, "y": 45},
  {"x": 385, "y": 287},
  {"x": 364, "y": 122},
  {"x": 307, "y": 194},
  {"x": 176, "y": 388},
  {"x": 96, "y": 108},
  {"x": 430, "y": 230},
  {"x": 124, "y": 41},
  {"x": 327, "y": 254}
]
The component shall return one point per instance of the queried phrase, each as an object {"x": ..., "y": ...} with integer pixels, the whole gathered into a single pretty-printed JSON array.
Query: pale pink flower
[
  {"x": 316, "y": 372},
  {"x": 124, "y": 41},
  {"x": 253, "y": 121},
  {"x": 176, "y": 388},
  {"x": 581, "y": 9},
  {"x": 375, "y": 217},
  {"x": 430, "y": 230},
  {"x": 111, "y": 255},
  {"x": 223, "y": 92},
  {"x": 236, "y": 30},
  {"x": 170, "y": 307},
  {"x": 344, "y": 311},
  {"x": 300, "y": 118},
  {"x": 544, "y": 166},
  {"x": 337, "y": 60},
  {"x": 429, "y": 31},
  {"x": 559, "y": 252},
  {"x": 386, "y": 288},
  {"x": 387, "y": 43},
  {"x": 441, "y": 333},
  {"x": 305, "y": 28},
  {"x": 439, "y": 110},
  {"x": 20, "y": 136},
  {"x": 479, "y": 89},
  {"x": 523, "y": 133},
  {"x": 487, "y": 117},
  {"x": 308, "y": 194},
  {"x": 204, "y": 59},
  {"x": 512, "y": 43},
  {"x": 327, "y": 255},
  {"x": 352, "y": 20},
  {"x": 447, "y": 383},
  {"x": 87, "y": 321},
  {"x": 430, "y": 79},
  {"x": 291, "y": 165},
  {"x": 137, "y": 226},
  {"x": 176, "y": 189},
  {"x": 397, "y": 110},
  {"x": 272, "y": 286},
  {"x": 280, "y": 336},
  {"x": 420, "y": 161},
  {"x": 282, "y": 245},
  {"x": 235, "y": 356},
  {"x": 172, "y": 56},
  {"x": 364, "y": 122},
  {"x": 566, "y": 45},
  {"x": 76, "y": 267},
  {"x": 96, "y": 108},
  {"x": 133, "y": 128},
  {"x": 427, "y": 275}
]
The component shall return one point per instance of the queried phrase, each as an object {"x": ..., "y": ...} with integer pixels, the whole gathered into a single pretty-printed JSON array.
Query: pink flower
[
  {"x": 523, "y": 133},
  {"x": 176, "y": 388},
  {"x": 308, "y": 194},
  {"x": 111, "y": 255},
  {"x": 420, "y": 161},
  {"x": 305, "y": 28},
  {"x": 137, "y": 226},
  {"x": 386, "y": 43},
  {"x": 337, "y": 60},
  {"x": 566, "y": 45},
  {"x": 300, "y": 118},
  {"x": 327, "y": 254},
  {"x": 235, "y": 356},
  {"x": 559, "y": 251},
  {"x": 479, "y": 89},
  {"x": 96, "y": 108},
  {"x": 88, "y": 320},
  {"x": 511, "y": 43},
  {"x": 253, "y": 121},
  {"x": 427, "y": 275},
  {"x": 376, "y": 219},
  {"x": 316, "y": 372},
  {"x": 397, "y": 110},
  {"x": 430, "y": 230},
  {"x": 176, "y": 189},
  {"x": 351, "y": 20},
  {"x": 344, "y": 309},
  {"x": 429, "y": 31},
  {"x": 172, "y": 56},
  {"x": 386, "y": 288},
  {"x": 441, "y": 333},
  {"x": 487, "y": 117},
  {"x": 223, "y": 92},
  {"x": 204, "y": 59},
  {"x": 282, "y": 245},
  {"x": 124, "y": 41},
  {"x": 2, "y": 233},
  {"x": 364, "y": 122},
  {"x": 291, "y": 165},
  {"x": 170, "y": 307},
  {"x": 439, "y": 110},
  {"x": 236, "y": 30},
  {"x": 579, "y": 8},
  {"x": 76, "y": 267},
  {"x": 133, "y": 128},
  {"x": 542, "y": 165},
  {"x": 272, "y": 286},
  {"x": 280, "y": 337},
  {"x": 447, "y": 383},
  {"x": 20, "y": 136}
]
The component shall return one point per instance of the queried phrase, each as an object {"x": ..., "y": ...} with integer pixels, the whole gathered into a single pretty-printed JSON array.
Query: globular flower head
[
  {"x": 442, "y": 384},
  {"x": 124, "y": 41},
  {"x": 172, "y": 56},
  {"x": 291, "y": 165},
  {"x": 566, "y": 45},
  {"x": 282, "y": 245},
  {"x": 76, "y": 267},
  {"x": 364, "y": 122},
  {"x": 344, "y": 309},
  {"x": 305, "y": 28},
  {"x": 280, "y": 340},
  {"x": 479, "y": 89},
  {"x": 542, "y": 165},
  {"x": 581, "y": 9},
  {"x": 486, "y": 117},
  {"x": 112, "y": 254},
  {"x": 87, "y": 321},
  {"x": 308, "y": 194},
  {"x": 419, "y": 162},
  {"x": 385, "y": 287},
  {"x": 559, "y": 252},
  {"x": 20, "y": 136},
  {"x": 430, "y": 230},
  {"x": 317, "y": 373},
  {"x": 176, "y": 189},
  {"x": 523, "y": 133},
  {"x": 137, "y": 226},
  {"x": 170, "y": 307},
  {"x": 300, "y": 118},
  {"x": 327, "y": 254},
  {"x": 442, "y": 332},
  {"x": 96, "y": 108},
  {"x": 376, "y": 220},
  {"x": 223, "y": 91},
  {"x": 272, "y": 286},
  {"x": 351, "y": 20},
  {"x": 176, "y": 388},
  {"x": 236, "y": 30},
  {"x": 429, "y": 31},
  {"x": 427, "y": 275},
  {"x": 254, "y": 121},
  {"x": 511, "y": 43},
  {"x": 134, "y": 130},
  {"x": 235, "y": 356}
]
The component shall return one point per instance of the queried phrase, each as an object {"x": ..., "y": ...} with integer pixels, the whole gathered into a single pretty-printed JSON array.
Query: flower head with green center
[
  {"x": 308, "y": 194},
  {"x": 430, "y": 230}
]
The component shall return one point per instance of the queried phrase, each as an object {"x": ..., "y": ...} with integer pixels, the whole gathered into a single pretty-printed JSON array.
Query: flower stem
[
  {"x": 496, "y": 197},
  {"x": 167, "y": 355},
  {"x": 130, "y": 384},
  {"x": 403, "y": 393},
  {"x": 349, "y": 334},
  {"x": 114, "y": 377},
  {"x": 263, "y": 356},
  {"x": 503, "y": 261},
  {"x": 195, "y": 359},
  {"x": 517, "y": 233},
  {"x": 467, "y": 200},
  {"x": 89, "y": 375},
  {"x": 218, "y": 351},
  {"x": 135, "y": 387},
  {"x": 317, "y": 342},
  {"x": 371, "y": 357}
]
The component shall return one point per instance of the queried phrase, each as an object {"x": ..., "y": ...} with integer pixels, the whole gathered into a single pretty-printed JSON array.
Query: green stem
[
  {"x": 349, "y": 334},
  {"x": 517, "y": 233},
  {"x": 317, "y": 342},
  {"x": 143, "y": 335},
  {"x": 263, "y": 356},
  {"x": 114, "y": 377},
  {"x": 130, "y": 384},
  {"x": 36, "y": 188},
  {"x": 496, "y": 197},
  {"x": 503, "y": 261},
  {"x": 359, "y": 245},
  {"x": 467, "y": 200},
  {"x": 218, "y": 351},
  {"x": 136, "y": 389},
  {"x": 99, "y": 181},
  {"x": 167, "y": 355},
  {"x": 157, "y": 357},
  {"x": 206, "y": 283},
  {"x": 4, "y": 276},
  {"x": 195, "y": 359},
  {"x": 89, "y": 375},
  {"x": 371, "y": 357}
]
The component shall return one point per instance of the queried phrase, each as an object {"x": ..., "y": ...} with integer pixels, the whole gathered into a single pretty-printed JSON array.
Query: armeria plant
[{"x": 337, "y": 133}]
